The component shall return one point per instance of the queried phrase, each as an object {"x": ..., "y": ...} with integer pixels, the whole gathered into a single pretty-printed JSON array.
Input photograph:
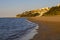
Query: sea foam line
[{"x": 30, "y": 35}]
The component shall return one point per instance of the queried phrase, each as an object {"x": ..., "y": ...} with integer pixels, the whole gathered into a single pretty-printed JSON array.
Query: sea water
[{"x": 17, "y": 29}]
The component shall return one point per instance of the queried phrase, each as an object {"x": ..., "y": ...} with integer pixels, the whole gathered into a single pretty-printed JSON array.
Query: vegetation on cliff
[
  {"x": 33, "y": 13},
  {"x": 55, "y": 10},
  {"x": 27, "y": 14}
]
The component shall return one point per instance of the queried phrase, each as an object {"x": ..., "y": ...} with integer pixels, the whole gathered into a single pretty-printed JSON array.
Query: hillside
[
  {"x": 55, "y": 10},
  {"x": 33, "y": 13}
]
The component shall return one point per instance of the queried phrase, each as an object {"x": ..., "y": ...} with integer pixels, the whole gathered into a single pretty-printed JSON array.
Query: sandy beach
[{"x": 49, "y": 27}]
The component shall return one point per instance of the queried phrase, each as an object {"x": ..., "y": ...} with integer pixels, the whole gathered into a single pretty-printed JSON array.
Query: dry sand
[{"x": 49, "y": 28}]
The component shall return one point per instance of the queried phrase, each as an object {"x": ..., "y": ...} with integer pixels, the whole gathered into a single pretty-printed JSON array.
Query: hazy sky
[{"x": 9, "y": 8}]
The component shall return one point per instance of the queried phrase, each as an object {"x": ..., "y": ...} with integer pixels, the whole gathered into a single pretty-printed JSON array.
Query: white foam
[{"x": 30, "y": 35}]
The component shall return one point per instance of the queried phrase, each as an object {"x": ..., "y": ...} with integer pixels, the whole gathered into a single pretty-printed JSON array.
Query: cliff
[{"x": 55, "y": 10}]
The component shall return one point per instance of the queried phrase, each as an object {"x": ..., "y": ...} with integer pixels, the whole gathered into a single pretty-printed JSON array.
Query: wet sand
[{"x": 49, "y": 28}]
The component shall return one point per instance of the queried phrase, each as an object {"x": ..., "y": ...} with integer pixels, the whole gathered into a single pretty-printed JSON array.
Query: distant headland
[{"x": 47, "y": 11}]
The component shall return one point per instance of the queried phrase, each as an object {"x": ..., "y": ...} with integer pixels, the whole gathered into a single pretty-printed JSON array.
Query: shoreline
[
  {"x": 30, "y": 35},
  {"x": 49, "y": 28}
]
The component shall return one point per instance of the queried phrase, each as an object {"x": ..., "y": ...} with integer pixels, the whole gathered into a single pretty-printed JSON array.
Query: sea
[{"x": 17, "y": 29}]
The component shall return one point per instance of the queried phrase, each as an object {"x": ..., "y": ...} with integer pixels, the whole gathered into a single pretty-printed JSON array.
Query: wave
[{"x": 15, "y": 28}]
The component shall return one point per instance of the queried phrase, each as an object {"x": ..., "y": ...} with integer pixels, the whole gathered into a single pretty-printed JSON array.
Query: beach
[{"x": 49, "y": 27}]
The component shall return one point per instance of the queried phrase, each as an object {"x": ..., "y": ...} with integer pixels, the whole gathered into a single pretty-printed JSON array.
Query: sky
[{"x": 10, "y": 8}]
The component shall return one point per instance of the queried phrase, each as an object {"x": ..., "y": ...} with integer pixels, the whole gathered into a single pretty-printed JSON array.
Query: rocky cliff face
[{"x": 41, "y": 11}]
